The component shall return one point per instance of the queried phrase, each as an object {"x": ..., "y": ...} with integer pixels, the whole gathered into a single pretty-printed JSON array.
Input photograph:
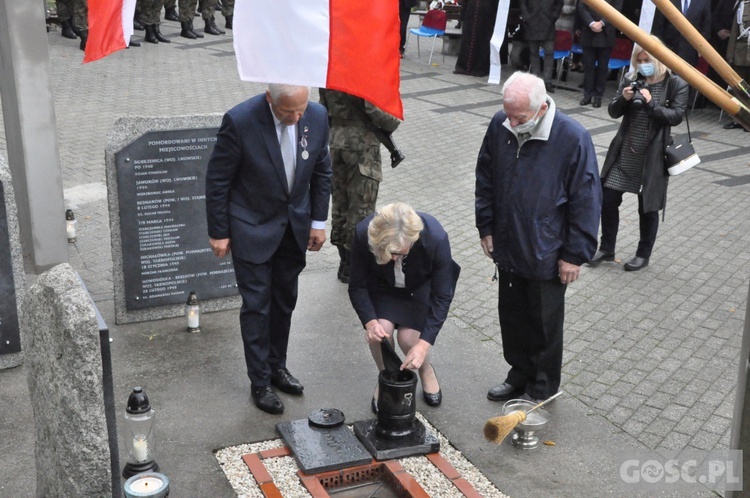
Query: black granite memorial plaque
[
  {"x": 165, "y": 250},
  {"x": 318, "y": 449},
  {"x": 10, "y": 334}
]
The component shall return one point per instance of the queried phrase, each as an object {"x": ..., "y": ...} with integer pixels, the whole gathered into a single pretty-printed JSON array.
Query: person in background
[
  {"x": 597, "y": 40},
  {"x": 537, "y": 201},
  {"x": 477, "y": 27},
  {"x": 403, "y": 278},
  {"x": 650, "y": 100},
  {"x": 738, "y": 48},
  {"x": 539, "y": 17},
  {"x": 404, "y": 12}
]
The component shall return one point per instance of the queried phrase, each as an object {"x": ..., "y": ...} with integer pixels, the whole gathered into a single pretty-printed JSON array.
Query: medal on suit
[{"x": 303, "y": 144}]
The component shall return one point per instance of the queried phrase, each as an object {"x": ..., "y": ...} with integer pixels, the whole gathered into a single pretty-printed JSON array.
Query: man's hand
[
  {"x": 374, "y": 332},
  {"x": 723, "y": 34},
  {"x": 597, "y": 26},
  {"x": 317, "y": 238},
  {"x": 569, "y": 272},
  {"x": 416, "y": 355},
  {"x": 487, "y": 246},
  {"x": 220, "y": 247}
]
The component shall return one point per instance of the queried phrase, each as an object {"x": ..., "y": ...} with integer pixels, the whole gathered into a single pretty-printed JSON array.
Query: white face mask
[{"x": 528, "y": 125}]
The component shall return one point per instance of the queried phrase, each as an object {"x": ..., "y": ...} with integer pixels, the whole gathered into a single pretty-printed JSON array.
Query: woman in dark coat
[
  {"x": 635, "y": 160},
  {"x": 403, "y": 277}
]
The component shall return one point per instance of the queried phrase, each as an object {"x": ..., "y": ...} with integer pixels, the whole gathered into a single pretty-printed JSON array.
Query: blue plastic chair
[
  {"x": 619, "y": 65},
  {"x": 433, "y": 26}
]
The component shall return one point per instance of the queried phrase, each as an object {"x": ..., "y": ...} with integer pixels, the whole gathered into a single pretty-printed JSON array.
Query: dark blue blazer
[
  {"x": 429, "y": 270},
  {"x": 247, "y": 199},
  {"x": 699, "y": 15}
]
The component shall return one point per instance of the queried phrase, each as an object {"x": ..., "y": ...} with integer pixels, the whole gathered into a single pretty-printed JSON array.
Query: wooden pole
[
  {"x": 705, "y": 49},
  {"x": 711, "y": 90}
]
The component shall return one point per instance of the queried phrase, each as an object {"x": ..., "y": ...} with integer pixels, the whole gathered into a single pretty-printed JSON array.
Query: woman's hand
[
  {"x": 627, "y": 93},
  {"x": 374, "y": 332},
  {"x": 416, "y": 355},
  {"x": 646, "y": 94}
]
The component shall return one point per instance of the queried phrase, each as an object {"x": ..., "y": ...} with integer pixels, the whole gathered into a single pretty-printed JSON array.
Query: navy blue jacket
[
  {"x": 429, "y": 270},
  {"x": 247, "y": 198},
  {"x": 540, "y": 202}
]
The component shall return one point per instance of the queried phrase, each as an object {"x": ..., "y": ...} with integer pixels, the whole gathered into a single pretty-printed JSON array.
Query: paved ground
[{"x": 651, "y": 356}]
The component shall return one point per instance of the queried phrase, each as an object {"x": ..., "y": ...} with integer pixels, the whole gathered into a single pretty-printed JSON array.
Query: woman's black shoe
[
  {"x": 636, "y": 264},
  {"x": 374, "y": 406},
  {"x": 433, "y": 399}
]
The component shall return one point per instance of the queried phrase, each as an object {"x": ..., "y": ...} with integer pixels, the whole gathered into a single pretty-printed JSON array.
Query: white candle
[
  {"x": 193, "y": 319},
  {"x": 146, "y": 484},
  {"x": 70, "y": 226},
  {"x": 140, "y": 450}
]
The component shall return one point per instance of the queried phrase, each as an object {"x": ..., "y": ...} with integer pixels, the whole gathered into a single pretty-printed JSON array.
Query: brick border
[{"x": 392, "y": 470}]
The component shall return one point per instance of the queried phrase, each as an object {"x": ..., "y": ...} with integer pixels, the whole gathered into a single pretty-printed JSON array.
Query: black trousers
[
  {"x": 648, "y": 223},
  {"x": 595, "y": 70},
  {"x": 269, "y": 295},
  {"x": 403, "y": 15},
  {"x": 532, "y": 313}
]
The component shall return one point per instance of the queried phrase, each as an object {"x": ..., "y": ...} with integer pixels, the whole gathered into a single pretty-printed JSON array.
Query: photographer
[{"x": 651, "y": 100}]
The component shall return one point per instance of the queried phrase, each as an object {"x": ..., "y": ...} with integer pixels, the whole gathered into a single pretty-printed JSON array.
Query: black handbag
[{"x": 679, "y": 154}]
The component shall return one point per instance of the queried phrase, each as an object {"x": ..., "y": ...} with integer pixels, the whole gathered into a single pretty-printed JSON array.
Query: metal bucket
[{"x": 397, "y": 404}]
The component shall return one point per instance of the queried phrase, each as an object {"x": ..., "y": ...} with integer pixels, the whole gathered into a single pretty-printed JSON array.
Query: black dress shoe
[
  {"x": 732, "y": 126},
  {"x": 549, "y": 87},
  {"x": 636, "y": 264},
  {"x": 597, "y": 102},
  {"x": 267, "y": 400},
  {"x": 433, "y": 399},
  {"x": 285, "y": 382},
  {"x": 504, "y": 392},
  {"x": 585, "y": 101},
  {"x": 601, "y": 256}
]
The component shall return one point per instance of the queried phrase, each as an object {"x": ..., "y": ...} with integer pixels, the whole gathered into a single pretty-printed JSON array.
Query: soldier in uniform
[
  {"x": 73, "y": 15},
  {"x": 188, "y": 8},
  {"x": 150, "y": 16},
  {"x": 207, "y": 8},
  {"x": 227, "y": 10},
  {"x": 170, "y": 10},
  {"x": 355, "y": 157}
]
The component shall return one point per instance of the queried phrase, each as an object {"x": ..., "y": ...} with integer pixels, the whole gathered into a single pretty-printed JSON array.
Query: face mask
[
  {"x": 528, "y": 125},
  {"x": 647, "y": 69}
]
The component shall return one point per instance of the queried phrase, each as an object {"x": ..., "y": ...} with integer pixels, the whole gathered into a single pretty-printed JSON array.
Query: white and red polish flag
[
  {"x": 345, "y": 45},
  {"x": 110, "y": 27}
]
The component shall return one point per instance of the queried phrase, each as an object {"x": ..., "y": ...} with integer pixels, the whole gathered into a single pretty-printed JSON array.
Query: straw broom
[{"x": 497, "y": 429}]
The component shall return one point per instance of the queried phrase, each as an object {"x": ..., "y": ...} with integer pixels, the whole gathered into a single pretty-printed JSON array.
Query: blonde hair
[
  {"x": 659, "y": 67},
  {"x": 395, "y": 227}
]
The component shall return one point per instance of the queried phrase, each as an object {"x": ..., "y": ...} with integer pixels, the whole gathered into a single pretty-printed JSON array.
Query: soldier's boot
[
  {"x": 192, "y": 30},
  {"x": 171, "y": 14},
  {"x": 67, "y": 29},
  {"x": 84, "y": 36},
  {"x": 150, "y": 35},
  {"x": 343, "y": 273},
  {"x": 229, "y": 20},
  {"x": 137, "y": 24},
  {"x": 159, "y": 36},
  {"x": 211, "y": 28},
  {"x": 186, "y": 33}
]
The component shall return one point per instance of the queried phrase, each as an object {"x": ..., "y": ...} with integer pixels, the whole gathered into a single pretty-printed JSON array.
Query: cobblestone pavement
[{"x": 655, "y": 351}]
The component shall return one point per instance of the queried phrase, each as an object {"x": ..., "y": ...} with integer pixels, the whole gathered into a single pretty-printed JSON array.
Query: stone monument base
[{"x": 420, "y": 442}]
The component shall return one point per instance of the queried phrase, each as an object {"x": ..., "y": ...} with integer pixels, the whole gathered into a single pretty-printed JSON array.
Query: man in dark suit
[
  {"x": 597, "y": 39},
  {"x": 268, "y": 185},
  {"x": 698, "y": 12}
]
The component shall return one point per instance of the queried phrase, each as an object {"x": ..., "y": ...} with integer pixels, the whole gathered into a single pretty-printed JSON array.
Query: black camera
[{"x": 638, "y": 99}]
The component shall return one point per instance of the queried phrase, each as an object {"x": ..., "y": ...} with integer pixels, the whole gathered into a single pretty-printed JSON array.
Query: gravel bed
[{"x": 284, "y": 471}]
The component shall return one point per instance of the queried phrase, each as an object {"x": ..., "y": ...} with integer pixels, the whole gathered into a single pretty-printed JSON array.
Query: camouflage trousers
[
  {"x": 77, "y": 9},
  {"x": 150, "y": 11},
  {"x": 188, "y": 9},
  {"x": 354, "y": 194},
  {"x": 227, "y": 8},
  {"x": 206, "y": 8}
]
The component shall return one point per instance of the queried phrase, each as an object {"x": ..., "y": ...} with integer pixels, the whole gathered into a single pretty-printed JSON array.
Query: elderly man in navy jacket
[
  {"x": 268, "y": 186},
  {"x": 538, "y": 203}
]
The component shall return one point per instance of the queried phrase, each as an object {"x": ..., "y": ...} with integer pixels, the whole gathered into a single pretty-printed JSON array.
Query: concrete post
[
  {"x": 31, "y": 132},
  {"x": 740, "y": 439}
]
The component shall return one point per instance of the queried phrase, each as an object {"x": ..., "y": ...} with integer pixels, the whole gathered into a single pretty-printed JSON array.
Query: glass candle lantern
[
  {"x": 70, "y": 225},
  {"x": 193, "y": 313},
  {"x": 139, "y": 434}
]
